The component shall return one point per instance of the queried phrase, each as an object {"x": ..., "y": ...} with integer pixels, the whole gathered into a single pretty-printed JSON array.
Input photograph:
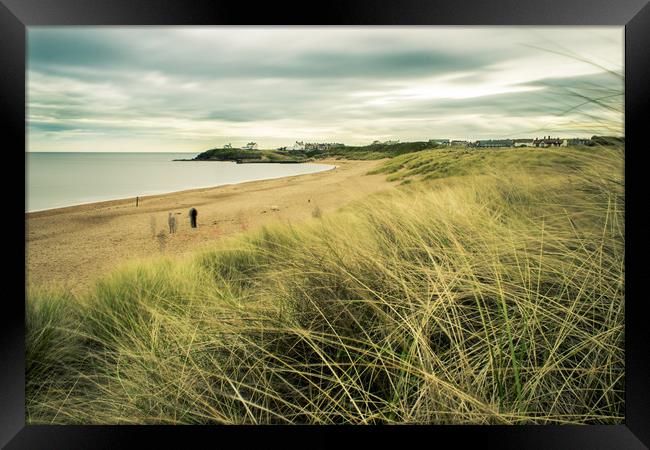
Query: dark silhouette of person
[{"x": 193, "y": 214}]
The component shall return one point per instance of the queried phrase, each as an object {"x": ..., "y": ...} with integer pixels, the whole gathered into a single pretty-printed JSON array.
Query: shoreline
[
  {"x": 72, "y": 246},
  {"x": 149, "y": 196}
]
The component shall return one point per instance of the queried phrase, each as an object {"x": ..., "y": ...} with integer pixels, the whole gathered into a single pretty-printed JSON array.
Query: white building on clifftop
[{"x": 299, "y": 145}]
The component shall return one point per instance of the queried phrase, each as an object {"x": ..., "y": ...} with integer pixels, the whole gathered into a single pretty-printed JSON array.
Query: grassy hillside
[
  {"x": 235, "y": 154},
  {"x": 442, "y": 163},
  {"x": 374, "y": 151},
  {"x": 489, "y": 290}
]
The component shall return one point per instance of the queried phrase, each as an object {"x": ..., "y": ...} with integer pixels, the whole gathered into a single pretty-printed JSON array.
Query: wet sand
[{"x": 72, "y": 246}]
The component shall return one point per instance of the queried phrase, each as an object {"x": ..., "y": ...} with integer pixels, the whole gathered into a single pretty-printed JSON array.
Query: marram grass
[{"x": 495, "y": 296}]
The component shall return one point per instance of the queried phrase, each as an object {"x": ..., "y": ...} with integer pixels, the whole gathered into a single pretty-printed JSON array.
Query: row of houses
[
  {"x": 384, "y": 142},
  {"x": 306, "y": 146},
  {"x": 323, "y": 145},
  {"x": 546, "y": 141}
]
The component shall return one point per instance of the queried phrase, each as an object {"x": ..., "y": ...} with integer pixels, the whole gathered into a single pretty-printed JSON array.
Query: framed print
[{"x": 258, "y": 221}]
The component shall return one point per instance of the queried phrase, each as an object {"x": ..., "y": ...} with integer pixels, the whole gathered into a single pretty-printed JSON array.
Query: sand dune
[{"x": 72, "y": 246}]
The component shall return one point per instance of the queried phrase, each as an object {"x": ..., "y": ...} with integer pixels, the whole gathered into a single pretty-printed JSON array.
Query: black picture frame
[{"x": 16, "y": 15}]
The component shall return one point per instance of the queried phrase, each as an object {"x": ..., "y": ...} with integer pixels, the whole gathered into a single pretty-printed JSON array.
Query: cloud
[{"x": 170, "y": 88}]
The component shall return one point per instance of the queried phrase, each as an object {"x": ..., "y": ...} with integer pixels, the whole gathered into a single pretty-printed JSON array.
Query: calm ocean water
[{"x": 54, "y": 180}]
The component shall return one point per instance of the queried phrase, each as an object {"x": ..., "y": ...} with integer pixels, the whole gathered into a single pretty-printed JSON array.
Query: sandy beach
[{"x": 72, "y": 246}]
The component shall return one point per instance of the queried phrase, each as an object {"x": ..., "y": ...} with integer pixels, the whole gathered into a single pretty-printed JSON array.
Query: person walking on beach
[
  {"x": 171, "y": 220},
  {"x": 193, "y": 214}
]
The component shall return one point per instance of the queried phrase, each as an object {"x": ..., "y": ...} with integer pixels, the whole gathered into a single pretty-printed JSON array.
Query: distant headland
[{"x": 302, "y": 152}]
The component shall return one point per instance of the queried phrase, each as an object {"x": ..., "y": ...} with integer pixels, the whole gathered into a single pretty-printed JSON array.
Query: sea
[{"x": 55, "y": 180}]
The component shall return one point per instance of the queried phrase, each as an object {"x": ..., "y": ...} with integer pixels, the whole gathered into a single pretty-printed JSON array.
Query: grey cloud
[
  {"x": 107, "y": 52},
  {"x": 134, "y": 82},
  {"x": 37, "y": 126},
  {"x": 603, "y": 80},
  {"x": 76, "y": 46}
]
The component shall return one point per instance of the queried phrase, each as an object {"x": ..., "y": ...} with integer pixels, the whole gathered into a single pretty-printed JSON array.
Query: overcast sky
[{"x": 193, "y": 88}]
